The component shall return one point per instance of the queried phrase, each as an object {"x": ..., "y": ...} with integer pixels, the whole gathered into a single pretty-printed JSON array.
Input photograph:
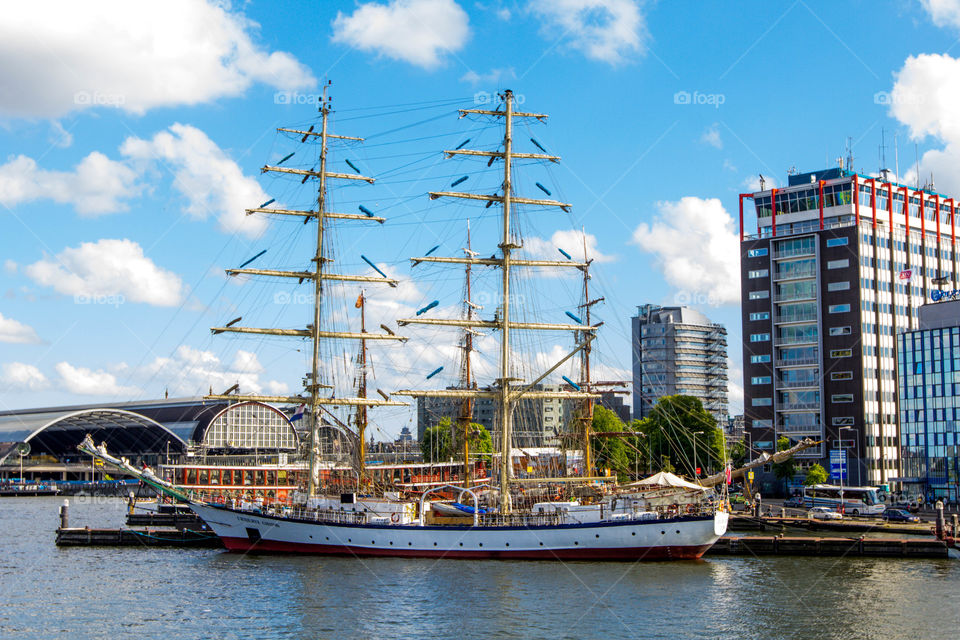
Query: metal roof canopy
[{"x": 125, "y": 433}]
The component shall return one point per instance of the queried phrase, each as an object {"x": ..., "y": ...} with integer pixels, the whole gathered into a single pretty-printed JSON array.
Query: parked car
[
  {"x": 891, "y": 514},
  {"x": 794, "y": 502},
  {"x": 906, "y": 505},
  {"x": 824, "y": 513}
]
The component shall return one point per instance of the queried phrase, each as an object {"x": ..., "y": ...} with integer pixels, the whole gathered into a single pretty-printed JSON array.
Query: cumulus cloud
[
  {"x": 97, "y": 185},
  {"x": 57, "y": 57},
  {"x": 212, "y": 183},
  {"x": 416, "y": 31},
  {"x": 712, "y": 136},
  {"x": 191, "y": 371},
  {"x": 944, "y": 13},
  {"x": 493, "y": 76},
  {"x": 108, "y": 268},
  {"x": 88, "y": 382},
  {"x": 17, "y": 376},
  {"x": 571, "y": 241},
  {"x": 711, "y": 273},
  {"x": 603, "y": 30},
  {"x": 16, "y": 332}
]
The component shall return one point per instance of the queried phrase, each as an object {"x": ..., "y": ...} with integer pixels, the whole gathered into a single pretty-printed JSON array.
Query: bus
[{"x": 857, "y": 501}]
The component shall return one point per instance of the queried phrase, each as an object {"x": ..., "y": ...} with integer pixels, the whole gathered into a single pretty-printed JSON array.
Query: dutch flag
[{"x": 298, "y": 414}]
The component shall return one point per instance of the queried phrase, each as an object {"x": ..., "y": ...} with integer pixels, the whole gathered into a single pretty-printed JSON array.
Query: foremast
[
  {"x": 507, "y": 395},
  {"x": 315, "y": 397}
]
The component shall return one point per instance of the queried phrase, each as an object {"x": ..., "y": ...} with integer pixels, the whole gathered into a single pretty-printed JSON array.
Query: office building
[
  {"x": 678, "y": 350},
  {"x": 837, "y": 267}
]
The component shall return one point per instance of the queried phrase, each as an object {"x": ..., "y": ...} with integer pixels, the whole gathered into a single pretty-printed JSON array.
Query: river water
[{"x": 47, "y": 592}]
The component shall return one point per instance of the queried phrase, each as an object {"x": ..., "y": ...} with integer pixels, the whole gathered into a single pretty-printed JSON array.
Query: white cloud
[
  {"x": 17, "y": 376},
  {"x": 494, "y": 76},
  {"x": 97, "y": 185},
  {"x": 67, "y": 56},
  {"x": 88, "y": 382},
  {"x": 17, "y": 332},
  {"x": 10, "y": 266},
  {"x": 212, "y": 183},
  {"x": 943, "y": 12},
  {"x": 114, "y": 269},
  {"x": 60, "y": 137},
  {"x": 711, "y": 274},
  {"x": 752, "y": 183},
  {"x": 712, "y": 136},
  {"x": 416, "y": 31},
  {"x": 603, "y": 30},
  {"x": 924, "y": 98},
  {"x": 191, "y": 371},
  {"x": 571, "y": 241}
]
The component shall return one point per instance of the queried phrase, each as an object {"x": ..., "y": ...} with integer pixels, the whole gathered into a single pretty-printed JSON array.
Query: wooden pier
[
  {"x": 181, "y": 538},
  {"x": 845, "y": 547}
]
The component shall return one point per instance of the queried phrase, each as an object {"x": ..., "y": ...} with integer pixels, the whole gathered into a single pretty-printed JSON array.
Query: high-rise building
[
  {"x": 834, "y": 272},
  {"x": 928, "y": 362},
  {"x": 678, "y": 350}
]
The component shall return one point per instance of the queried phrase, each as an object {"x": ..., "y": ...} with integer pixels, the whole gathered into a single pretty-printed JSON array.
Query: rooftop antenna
[
  {"x": 762, "y": 182},
  {"x": 849, "y": 153}
]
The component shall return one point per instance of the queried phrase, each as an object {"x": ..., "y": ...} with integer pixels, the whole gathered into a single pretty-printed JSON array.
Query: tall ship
[{"x": 570, "y": 516}]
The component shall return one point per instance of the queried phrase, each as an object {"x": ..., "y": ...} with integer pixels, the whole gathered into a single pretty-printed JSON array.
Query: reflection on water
[{"x": 50, "y": 592}]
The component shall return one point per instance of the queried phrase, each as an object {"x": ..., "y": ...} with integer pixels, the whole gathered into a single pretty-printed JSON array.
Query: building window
[
  {"x": 762, "y": 315},
  {"x": 760, "y": 380},
  {"x": 840, "y": 353},
  {"x": 760, "y": 295},
  {"x": 839, "y": 308},
  {"x": 757, "y": 253},
  {"x": 838, "y": 264},
  {"x": 839, "y": 331},
  {"x": 762, "y": 424},
  {"x": 759, "y": 359},
  {"x": 758, "y": 273},
  {"x": 839, "y": 286},
  {"x": 841, "y": 397},
  {"x": 759, "y": 337},
  {"x": 844, "y": 421},
  {"x": 762, "y": 402},
  {"x": 841, "y": 375},
  {"x": 836, "y": 242}
]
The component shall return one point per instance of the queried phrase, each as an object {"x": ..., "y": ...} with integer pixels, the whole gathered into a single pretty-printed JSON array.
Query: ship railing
[
  {"x": 329, "y": 515},
  {"x": 520, "y": 519}
]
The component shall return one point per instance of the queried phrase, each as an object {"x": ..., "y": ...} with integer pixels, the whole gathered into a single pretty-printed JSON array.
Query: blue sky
[{"x": 133, "y": 138}]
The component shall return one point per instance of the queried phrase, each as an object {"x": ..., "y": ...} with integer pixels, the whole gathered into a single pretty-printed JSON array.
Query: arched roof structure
[
  {"x": 250, "y": 425},
  {"x": 58, "y": 433}
]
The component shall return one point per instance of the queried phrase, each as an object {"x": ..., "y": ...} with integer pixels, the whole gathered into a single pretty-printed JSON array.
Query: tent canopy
[{"x": 666, "y": 479}]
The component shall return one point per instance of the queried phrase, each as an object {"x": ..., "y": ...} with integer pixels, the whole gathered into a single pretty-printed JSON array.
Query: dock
[
  {"x": 837, "y": 547},
  {"x": 181, "y": 538},
  {"x": 849, "y": 525}
]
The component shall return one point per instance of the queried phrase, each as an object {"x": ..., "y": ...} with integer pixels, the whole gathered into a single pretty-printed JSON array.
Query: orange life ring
[{"x": 394, "y": 517}]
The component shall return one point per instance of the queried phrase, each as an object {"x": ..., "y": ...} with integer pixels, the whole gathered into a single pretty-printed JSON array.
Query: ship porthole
[
  {"x": 349, "y": 540},
  {"x": 373, "y": 542},
  {"x": 434, "y": 544},
  {"x": 541, "y": 544},
  {"x": 409, "y": 544},
  {"x": 678, "y": 530},
  {"x": 663, "y": 533},
  {"x": 575, "y": 542},
  {"x": 598, "y": 535},
  {"x": 634, "y": 533},
  {"x": 311, "y": 537},
  {"x": 461, "y": 544},
  {"x": 391, "y": 543},
  {"x": 328, "y": 537},
  {"x": 481, "y": 544}
]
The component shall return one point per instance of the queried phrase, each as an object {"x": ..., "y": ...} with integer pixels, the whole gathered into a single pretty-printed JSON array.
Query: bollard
[
  {"x": 131, "y": 501},
  {"x": 64, "y": 515},
  {"x": 783, "y": 512},
  {"x": 940, "y": 522},
  {"x": 956, "y": 525}
]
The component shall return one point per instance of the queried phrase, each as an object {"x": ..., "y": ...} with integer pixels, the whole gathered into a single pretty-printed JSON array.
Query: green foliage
[
  {"x": 738, "y": 454},
  {"x": 437, "y": 445},
  {"x": 671, "y": 433},
  {"x": 786, "y": 469},
  {"x": 816, "y": 474},
  {"x": 624, "y": 455}
]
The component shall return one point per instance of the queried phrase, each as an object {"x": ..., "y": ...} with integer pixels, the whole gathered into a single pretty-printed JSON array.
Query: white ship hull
[{"x": 684, "y": 537}]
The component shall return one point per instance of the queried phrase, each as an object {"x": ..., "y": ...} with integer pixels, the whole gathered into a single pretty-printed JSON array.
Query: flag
[
  {"x": 906, "y": 274},
  {"x": 298, "y": 414},
  {"x": 729, "y": 475},
  {"x": 359, "y": 301}
]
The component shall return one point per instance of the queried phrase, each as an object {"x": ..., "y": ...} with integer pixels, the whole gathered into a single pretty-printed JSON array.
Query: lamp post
[{"x": 843, "y": 461}]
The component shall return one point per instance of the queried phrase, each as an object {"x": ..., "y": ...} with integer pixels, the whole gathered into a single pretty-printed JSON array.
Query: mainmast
[
  {"x": 362, "y": 391},
  {"x": 585, "y": 382},
  {"x": 318, "y": 274},
  {"x": 507, "y": 395},
  {"x": 466, "y": 373}
]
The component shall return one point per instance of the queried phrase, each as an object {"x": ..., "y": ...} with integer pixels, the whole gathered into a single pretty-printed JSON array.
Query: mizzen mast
[
  {"x": 507, "y": 394},
  {"x": 316, "y": 397}
]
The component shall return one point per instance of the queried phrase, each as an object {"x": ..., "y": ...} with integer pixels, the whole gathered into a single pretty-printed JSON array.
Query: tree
[
  {"x": 785, "y": 470},
  {"x": 816, "y": 474},
  {"x": 738, "y": 454},
  {"x": 672, "y": 434},
  {"x": 624, "y": 455},
  {"x": 437, "y": 446}
]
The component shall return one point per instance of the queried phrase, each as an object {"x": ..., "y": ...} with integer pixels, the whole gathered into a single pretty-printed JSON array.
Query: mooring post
[
  {"x": 131, "y": 501},
  {"x": 64, "y": 515},
  {"x": 956, "y": 525},
  {"x": 940, "y": 522}
]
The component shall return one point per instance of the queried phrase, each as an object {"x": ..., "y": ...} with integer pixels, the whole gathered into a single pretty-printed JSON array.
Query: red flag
[{"x": 729, "y": 475}]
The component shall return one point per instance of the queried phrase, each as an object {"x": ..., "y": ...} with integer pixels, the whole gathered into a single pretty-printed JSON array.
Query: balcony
[
  {"x": 795, "y": 296},
  {"x": 794, "y": 340},
  {"x": 797, "y": 406},
  {"x": 798, "y": 384},
  {"x": 796, "y": 317},
  {"x": 795, "y": 274},
  {"x": 797, "y": 362},
  {"x": 803, "y": 429},
  {"x": 794, "y": 252}
]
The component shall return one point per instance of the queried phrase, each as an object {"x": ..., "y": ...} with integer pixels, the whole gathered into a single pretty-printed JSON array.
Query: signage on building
[
  {"x": 838, "y": 464},
  {"x": 941, "y": 296},
  {"x": 906, "y": 274}
]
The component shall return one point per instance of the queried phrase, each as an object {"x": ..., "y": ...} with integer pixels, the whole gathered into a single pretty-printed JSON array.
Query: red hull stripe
[{"x": 626, "y": 553}]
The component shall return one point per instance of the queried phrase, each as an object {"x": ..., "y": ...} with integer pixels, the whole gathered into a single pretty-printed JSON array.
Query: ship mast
[
  {"x": 466, "y": 373},
  {"x": 362, "y": 392},
  {"x": 315, "y": 398},
  {"x": 506, "y": 394},
  {"x": 585, "y": 382}
]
